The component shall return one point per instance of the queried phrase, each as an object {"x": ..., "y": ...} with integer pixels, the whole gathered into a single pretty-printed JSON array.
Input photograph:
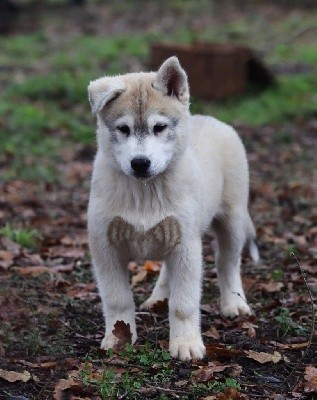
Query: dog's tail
[
  {"x": 254, "y": 251},
  {"x": 251, "y": 242}
]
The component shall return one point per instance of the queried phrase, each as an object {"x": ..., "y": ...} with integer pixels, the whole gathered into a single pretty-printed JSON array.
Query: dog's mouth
[{"x": 142, "y": 176}]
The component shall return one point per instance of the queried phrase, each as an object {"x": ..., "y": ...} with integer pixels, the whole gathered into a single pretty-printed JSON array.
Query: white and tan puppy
[{"x": 161, "y": 179}]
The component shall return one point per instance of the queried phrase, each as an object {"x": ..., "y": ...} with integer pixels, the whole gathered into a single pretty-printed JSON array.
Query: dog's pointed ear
[
  {"x": 103, "y": 90},
  {"x": 171, "y": 80}
]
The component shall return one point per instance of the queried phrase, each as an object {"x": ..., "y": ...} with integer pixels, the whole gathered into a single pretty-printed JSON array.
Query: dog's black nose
[{"x": 140, "y": 166}]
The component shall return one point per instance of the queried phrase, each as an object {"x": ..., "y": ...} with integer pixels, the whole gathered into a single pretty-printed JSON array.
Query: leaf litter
[{"x": 51, "y": 316}]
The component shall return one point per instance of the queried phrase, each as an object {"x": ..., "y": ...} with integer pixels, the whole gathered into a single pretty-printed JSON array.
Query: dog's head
[{"x": 142, "y": 118}]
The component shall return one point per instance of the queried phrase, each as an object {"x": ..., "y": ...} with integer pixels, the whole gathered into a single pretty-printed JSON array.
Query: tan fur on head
[{"x": 152, "y": 90}]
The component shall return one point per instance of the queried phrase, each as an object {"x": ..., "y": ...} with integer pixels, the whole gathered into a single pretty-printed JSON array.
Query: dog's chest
[{"x": 155, "y": 242}]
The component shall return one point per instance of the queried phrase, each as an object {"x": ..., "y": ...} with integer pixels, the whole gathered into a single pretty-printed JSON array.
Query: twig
[
  {"x": 312, "y": 328},
  {"x": 175, "y": 391},
  {"x": 155, "y": 329}
]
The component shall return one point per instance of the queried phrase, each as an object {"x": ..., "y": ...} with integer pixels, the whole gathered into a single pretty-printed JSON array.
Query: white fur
[{"x": 202, "y": 182}]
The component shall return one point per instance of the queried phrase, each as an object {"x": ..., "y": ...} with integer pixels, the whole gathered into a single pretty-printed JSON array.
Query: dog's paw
[
  {"x": 235, "y": 307},
  {"x": 149, "y": 303},
  {"x": 108, "y": 342},
  {"x": 186, "y": 350}
]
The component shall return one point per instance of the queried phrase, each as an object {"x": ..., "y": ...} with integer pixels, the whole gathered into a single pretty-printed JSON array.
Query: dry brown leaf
[
  {"x": 13, "y": 376},
  {"x": 33, "y": 271},
  {"x": 262, "y": 357},
  {"x": 311, "y": 379},
  {"x": 212, "y": 332},
  {"x": 160, "y": 307},
  {"x": 151, "y": 266},
  {"x": 123, "y": 333},
  {"x": 6, "y": 259},
  {"x": 236, "y": 370},
  {"x": 62, "y": 385},
  {"x": 181, "y": 383},
  {"x": 231, "y": 394},
  {"x": 217, "y": 351},
  {"x": 139, "y": 277},
  {"x": 292, "y": 346},
  {"x": 82, "y": 291},
  {"x": 63, "y": 268},
  {"x": 271, "y": 287},
  {"x": 9, "y": 245},
  {"x": 206, "y": 373},
  {"x": 44, "y": 365}
]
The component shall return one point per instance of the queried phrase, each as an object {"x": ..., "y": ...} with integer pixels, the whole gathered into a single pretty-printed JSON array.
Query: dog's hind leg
[
  {"x": 231, "y": 233},
  {"x": 160, "y": 291}
]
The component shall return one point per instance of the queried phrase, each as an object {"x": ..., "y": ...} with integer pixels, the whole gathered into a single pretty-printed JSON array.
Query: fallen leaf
[
  {"x": 163, "y": 344},
  {"x": 231, "y": 394},
  {"x": 13, "y": 376},
  {"x": 212, "y": 332},
  {"x": 292, "y": 346},
  {"x": 10, "y": 245},
  {"x": 6, "y": 259},
  {"x": 63, "y": 268},
  {"x": 123, "y": 333},
  {"x": 62, "y": 385},
  {"x": 160, "y": 307},
  {"x": 262, "y": 357},
  {"x": 65, "y": 252},
  {"x": 181, "y": 383},
  {"x": 235, "y": 371},
  {"x": 206, "y": 373},
  {"x": 139, "y": 277},
  {"x": 151, "y": 266},
  {"x": 311, "y": 379},
  {"x": 271, "y": 287},
  {"x": 217, "y": 351},
  {"x": 33, "y": 271},
  {"x": 82, "y": 291},
  {"x": 44, "y": 365}
]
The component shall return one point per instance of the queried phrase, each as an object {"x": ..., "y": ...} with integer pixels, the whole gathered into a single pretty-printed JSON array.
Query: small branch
[
  {"x": 176, "y": 392},
  {"x": 312, "y": 328}
]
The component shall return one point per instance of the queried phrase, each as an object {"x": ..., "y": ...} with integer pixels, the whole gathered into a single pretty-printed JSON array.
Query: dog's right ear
[
  {"x": 171, "y": 80},
  {"x": 103, "y": 90}
]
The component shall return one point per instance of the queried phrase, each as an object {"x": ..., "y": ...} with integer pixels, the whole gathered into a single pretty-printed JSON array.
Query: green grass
[
  {"x": 24, "y": 237},
  {"x": 145, "y": 367}
]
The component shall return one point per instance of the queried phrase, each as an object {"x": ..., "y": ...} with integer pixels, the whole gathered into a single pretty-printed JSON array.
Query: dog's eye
[
  {"x": 158, "y": 128},
  {"x": 124, "y": 129}
]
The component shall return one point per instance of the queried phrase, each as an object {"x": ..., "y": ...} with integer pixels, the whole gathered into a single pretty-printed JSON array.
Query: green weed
[
  {"x": 152, "y": 365},
  {"x": 24, "y": 237},
  {"x": 215, "y": 387},
  {"x": 287, "y": 325},
  {"x": 277, "y": 275}
]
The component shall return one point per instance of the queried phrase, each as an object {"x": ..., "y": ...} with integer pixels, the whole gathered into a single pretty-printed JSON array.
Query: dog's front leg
[
  {"x": 184, "y": 267},
  {"x": 117, "y": 301}
]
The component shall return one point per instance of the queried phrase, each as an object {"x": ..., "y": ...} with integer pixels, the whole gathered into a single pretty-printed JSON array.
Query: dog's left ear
[
  {"x": 171, "y": 79},
  {"x": 103, "y": 90}
]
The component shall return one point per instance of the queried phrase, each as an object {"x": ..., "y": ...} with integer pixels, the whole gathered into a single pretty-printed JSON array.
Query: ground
[{"x": 51, "y": 316}]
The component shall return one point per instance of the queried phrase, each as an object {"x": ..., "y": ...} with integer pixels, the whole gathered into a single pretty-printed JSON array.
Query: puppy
[{"x": 161, "y": 179}]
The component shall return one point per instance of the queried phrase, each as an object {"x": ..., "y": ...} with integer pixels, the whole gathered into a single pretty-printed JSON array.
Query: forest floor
[{"x": 50, "y": 311}]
